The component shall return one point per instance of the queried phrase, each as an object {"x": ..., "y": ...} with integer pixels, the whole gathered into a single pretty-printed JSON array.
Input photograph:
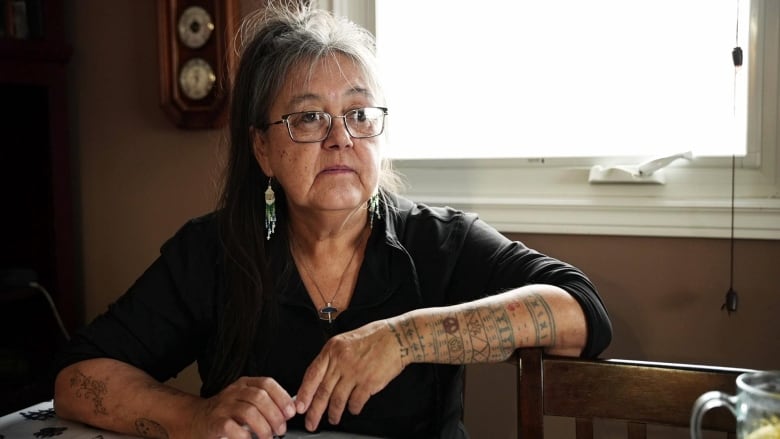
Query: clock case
[{"x": 210, "y": 111}]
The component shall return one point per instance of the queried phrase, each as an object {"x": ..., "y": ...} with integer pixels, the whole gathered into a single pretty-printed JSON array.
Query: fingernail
[
  {"x": 289, "y": 411},
  {"x": 300, "y": 406}
]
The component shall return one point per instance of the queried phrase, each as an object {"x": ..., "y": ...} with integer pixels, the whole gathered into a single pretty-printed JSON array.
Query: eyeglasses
[{"x": 315, "y": 126}]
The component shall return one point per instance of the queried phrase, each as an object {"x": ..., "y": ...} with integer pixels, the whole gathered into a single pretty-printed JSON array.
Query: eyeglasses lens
[{"x": 314, "y": 126}]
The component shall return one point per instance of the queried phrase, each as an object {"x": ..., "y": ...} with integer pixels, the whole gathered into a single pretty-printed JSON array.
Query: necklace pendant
[{"x": 326, "y": 312}]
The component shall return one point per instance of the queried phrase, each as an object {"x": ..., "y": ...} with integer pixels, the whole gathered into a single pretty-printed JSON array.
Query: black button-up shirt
[{"x": 418, "y": 256}]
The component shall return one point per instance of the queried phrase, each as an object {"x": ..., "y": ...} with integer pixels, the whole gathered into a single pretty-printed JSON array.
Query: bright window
[
  {"x": 546, "y": 190},
  {"x": 564, "y": 79}
]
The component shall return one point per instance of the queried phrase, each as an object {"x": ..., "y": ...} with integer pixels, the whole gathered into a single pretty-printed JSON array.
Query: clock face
[
  {"x": 195, "y": 27},
  {"x": 196, "y": 78},
  {"x": 196, "y": 56}
]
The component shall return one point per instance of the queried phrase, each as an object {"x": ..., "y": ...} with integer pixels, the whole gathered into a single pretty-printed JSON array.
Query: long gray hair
[{"x": 271, "y": 42}]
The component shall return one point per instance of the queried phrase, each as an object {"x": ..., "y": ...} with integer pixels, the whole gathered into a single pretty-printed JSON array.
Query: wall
[
  {"x": 664, "y": 297},
  {"x": 139, "y": 179}
]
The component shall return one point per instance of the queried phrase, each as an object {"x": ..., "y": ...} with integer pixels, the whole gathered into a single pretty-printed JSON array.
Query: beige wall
[
  {"x": 664, "y": 297},
  {"x": 139, "y": 179}
]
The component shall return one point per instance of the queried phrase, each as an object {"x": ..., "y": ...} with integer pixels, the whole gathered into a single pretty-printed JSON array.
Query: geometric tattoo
[
  {"x": 542, "y": 316},
  {"x": 477, "y": 334}
]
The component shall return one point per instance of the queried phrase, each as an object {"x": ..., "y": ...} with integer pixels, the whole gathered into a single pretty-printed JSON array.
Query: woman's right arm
[{"x": 116, "y": 396}]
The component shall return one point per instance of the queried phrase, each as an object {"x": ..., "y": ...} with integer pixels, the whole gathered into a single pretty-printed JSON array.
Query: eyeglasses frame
[{"x": 285, "y": 120}]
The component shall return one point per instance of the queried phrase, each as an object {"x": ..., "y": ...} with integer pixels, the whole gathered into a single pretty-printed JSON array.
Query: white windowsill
[
  {"x": 523, "y": 199},
  {"x": 758, "y": 219}
]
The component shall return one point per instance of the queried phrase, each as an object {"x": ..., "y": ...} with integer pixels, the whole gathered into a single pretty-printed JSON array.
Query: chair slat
[
  {"x": 636, "y": 392},
  {"x": 529, "y": 384},
  {"x": 583, "y": 428}
]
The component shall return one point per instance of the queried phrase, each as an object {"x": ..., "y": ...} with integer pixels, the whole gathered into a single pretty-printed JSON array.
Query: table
[{"x": 40, "y": 421}]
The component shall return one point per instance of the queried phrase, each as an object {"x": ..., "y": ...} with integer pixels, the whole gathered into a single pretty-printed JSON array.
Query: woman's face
[{"x": 338, "y": 173}]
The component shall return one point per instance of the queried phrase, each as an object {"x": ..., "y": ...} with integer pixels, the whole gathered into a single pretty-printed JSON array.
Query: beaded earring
[
  {"x": 373, "y": 209},
  {"x": 270, "y": 210}
]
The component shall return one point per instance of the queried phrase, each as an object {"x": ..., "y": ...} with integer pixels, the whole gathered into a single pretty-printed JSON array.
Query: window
[
  {"x": 549, "y": 193},
  {"x": 564, "y": 78}
]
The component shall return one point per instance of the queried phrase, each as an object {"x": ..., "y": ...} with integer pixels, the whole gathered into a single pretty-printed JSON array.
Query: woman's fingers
[
  {"x": 264, "y": 420},
  {"x": 322, "y": 398},
  {"x": 312, "y": 379},
  {"x": 271, "y": 391},
  {"x": 315, "y": 394},
  {"x": 350, "y": 369},
  {"x": 250, "y": 407},
  {"x": 358, "y": 399},
  {"x": 268, "y": 408}
]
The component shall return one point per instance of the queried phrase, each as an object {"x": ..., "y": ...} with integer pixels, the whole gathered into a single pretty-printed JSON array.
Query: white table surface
[{"x": 40, "y": 421}]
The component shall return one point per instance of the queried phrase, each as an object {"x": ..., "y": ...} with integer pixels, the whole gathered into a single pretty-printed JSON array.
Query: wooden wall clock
[{"x": 196, "y": 57}]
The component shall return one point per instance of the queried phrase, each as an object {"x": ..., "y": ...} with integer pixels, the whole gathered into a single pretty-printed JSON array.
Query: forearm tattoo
[
  {"x": 478, "y": 333},
  {"x": 543, "y": 321},
  {"x": 403, "y": 333},
  {"x": 148, "y": 428},
  {"x": 87, "y": 387}
]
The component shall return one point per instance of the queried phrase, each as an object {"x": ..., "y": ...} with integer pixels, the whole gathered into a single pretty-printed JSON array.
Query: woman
[{"x": 314, "y": 279}]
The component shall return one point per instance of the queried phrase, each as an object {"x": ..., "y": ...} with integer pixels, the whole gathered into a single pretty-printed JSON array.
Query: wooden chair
[{"x": 637, "y": 392}]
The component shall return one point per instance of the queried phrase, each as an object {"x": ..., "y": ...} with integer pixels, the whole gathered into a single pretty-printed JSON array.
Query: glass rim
[{"x": 749, "y": 381}]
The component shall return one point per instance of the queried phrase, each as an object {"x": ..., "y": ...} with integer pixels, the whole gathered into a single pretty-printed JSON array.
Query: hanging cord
[
  {"x": 42, "y": 290},
  {"x": 732, "y": 299},
  {"x": 733, "y": 171},
  {"x": 16, "y": 278}
]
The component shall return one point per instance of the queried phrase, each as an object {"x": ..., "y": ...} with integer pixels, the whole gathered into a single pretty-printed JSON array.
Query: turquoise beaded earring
[
  {"x": 373, "y": 209},
  {"x": 270, "y": 210}
]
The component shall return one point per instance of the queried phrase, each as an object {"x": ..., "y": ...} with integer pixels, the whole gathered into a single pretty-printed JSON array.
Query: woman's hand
[
  {"x": 255, "y": 404},
  {"x": 351, "y": 368}
]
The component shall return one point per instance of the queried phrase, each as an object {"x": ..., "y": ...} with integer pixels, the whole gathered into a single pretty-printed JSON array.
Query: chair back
[{"x": 637, "y": 392}]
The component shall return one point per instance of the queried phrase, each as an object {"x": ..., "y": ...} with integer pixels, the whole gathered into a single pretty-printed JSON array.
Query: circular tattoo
[{"x": 451, "y": 325}]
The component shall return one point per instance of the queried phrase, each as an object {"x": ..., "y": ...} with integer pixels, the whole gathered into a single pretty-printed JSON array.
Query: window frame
[{"x": 552, "y": 195}]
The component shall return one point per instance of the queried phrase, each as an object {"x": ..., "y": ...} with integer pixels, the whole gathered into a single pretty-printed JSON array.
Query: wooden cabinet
[{"x": 37, "y": 226}]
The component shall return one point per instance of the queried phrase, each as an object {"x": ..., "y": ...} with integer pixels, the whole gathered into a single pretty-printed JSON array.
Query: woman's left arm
[
  {"x": 357, "y": 364},
  {"x": 542, "y": 302},
  {"x": 490, "y": 329}
]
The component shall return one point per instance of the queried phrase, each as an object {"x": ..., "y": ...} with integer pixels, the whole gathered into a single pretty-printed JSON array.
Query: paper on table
[{"x": 40, "y": 421}]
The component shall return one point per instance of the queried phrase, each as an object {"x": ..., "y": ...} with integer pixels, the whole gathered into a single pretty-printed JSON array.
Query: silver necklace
[{"x": 327, "y": 311}]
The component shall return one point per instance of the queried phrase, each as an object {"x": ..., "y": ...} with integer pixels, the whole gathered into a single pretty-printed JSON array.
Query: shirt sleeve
[
  {"x": 489, "y": 263},
  {"x": 161, "y": 323}
]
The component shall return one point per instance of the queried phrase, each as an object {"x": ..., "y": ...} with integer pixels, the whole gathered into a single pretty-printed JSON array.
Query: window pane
[{"x": 564, "y": 78}]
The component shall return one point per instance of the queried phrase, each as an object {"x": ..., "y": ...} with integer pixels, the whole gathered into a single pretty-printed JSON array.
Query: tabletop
[{"x": 40, "y": 421}]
